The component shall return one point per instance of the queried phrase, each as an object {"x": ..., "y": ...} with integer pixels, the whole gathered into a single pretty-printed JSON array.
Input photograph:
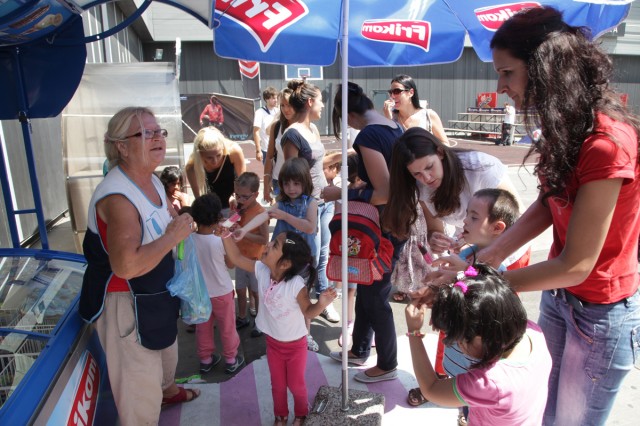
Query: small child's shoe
[
  {"x": 232, "y": 368},
  {"x": 205, "y": 368}
]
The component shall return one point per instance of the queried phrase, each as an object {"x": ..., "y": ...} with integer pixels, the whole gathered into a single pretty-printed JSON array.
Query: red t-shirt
[{"x": 615, "y": 274}]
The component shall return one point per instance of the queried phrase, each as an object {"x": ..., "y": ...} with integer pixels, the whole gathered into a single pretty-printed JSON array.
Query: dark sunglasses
[{"x": 397, "y": 91}]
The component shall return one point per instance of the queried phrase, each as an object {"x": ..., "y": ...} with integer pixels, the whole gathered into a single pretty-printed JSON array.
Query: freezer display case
[{"x": 52, "y": 368}]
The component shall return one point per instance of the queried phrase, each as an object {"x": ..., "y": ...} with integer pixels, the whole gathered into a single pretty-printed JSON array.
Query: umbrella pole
[{"x": 344, "y": 175}]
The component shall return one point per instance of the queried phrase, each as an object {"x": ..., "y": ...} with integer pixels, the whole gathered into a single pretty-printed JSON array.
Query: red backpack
[{"x": 368, "y": 251}]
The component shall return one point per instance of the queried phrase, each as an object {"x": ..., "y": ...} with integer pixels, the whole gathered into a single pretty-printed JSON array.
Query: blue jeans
[
  {"x": 592, "y": 350},
  {"x": 323, "y": 237}
]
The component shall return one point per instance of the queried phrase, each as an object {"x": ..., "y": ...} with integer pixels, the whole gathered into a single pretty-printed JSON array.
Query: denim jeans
[
  {"x": 323, "y": 237},
  {"x": 592, "y": 350}
]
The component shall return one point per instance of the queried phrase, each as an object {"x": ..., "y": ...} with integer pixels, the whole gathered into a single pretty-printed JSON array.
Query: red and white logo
[
  {"x": 249, "y": 69},
  {"x": 85, "y": 400},
  {"x": 416, "y": 33},
  {"x": 264, "y": 19},
  {"x": 492, "y": 17}
]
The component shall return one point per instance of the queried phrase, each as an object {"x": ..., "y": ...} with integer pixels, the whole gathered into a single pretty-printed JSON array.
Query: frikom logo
[
  {"x": 416, "y": 33},
  {"x": 492, "y": 17},
  {"x": 264, "y": 19},
  {"x": 83, "y": 409}
]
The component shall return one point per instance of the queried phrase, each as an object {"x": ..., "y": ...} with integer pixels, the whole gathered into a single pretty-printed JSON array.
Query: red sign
[
  {"x": 492, "y": 17},
  {"x": 624, "y": 98},
  {"x": 249, "y": 69},
  {"x": 83, "y": 409},
  {"x": 487, "y": 100},
  {"x": 264, "y": 19},
  {"x": 416, "y": 33}
]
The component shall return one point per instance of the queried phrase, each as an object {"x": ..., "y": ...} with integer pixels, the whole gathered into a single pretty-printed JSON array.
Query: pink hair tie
[
  {"x": 463, "y": 286},
  {"x": 471, "y": 271}
]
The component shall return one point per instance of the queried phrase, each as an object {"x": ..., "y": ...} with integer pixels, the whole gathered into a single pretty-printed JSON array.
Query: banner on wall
[
  {"x": 487, "y": 100},
  {"x": 238, "y": 115},
  {"x": 250, "y": 75}
]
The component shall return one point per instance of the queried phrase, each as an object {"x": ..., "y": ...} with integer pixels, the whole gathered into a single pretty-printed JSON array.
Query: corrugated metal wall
[{"x": 449, "y": 88}]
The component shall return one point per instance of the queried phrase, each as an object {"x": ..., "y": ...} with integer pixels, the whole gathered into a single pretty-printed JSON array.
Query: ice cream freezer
[{"x": 52, "y": 367}]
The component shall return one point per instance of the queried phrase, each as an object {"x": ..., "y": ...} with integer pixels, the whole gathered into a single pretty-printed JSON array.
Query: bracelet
[
  {"x": 268, "y": 174},
  {"x": 416, "y": 333}
]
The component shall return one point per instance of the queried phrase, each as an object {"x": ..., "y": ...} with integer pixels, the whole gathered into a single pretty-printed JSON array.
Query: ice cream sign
[
  {"x": 411, "y": 32},
  {"x": 492, "y": 17}
]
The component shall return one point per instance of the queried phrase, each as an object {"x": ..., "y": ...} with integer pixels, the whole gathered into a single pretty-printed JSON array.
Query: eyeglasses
[
  {"x": 243, "y": 197},
  {"x": 397, "y": 91},
  {"x": 150, "y": 134}
]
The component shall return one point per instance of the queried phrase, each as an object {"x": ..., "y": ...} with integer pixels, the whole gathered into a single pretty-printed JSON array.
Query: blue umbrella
[{"x": 381, "y": 33}]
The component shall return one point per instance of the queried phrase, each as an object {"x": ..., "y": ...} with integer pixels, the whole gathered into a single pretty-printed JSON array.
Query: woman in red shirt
[{"x": 589, "y": 195}]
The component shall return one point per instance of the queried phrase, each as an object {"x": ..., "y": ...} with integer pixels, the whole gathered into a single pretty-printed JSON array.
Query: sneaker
[
  {"x": 337, "y": 356},
  {"x": 232, "y": 368},
  {"x": 205, "y": 368},
  {"x": 312, "y": 345},
  {"x": 242, "y": 322},
  {"x": 350, "y": 330},
  {"x": 256, "y": 332},
  {"x": 330, "y": 314}
]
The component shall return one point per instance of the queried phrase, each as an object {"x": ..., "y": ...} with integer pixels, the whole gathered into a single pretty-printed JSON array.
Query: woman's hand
[
  {"x": 181, "y": 227},
  {"x": 452, "y": 263},
  {"x": 389, "y": 106},
  {"x": 490, "y": 256},
  {"x": 415, "y": 313},
  {"x": 440, "y": 243}
]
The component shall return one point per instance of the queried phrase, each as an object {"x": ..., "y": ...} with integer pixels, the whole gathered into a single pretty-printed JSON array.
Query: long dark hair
[
  {"x": 357, "y": 102},
  {"x": 297, "y": 251},
  {"x": 408, "y": 83},
  {"x": 568, "y": 85},
  {"x": 416, "y": 143},
  {"x": 488, "y": 308}
]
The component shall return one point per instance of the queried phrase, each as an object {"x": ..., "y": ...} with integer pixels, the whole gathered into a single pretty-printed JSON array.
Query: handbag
[{"x": 188, "y": 284}]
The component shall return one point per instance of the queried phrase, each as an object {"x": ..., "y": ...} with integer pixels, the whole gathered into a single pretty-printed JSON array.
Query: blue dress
[{"x": 297, "y": 208}]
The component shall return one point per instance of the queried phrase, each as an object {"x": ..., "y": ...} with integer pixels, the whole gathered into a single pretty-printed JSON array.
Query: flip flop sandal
[
  {"x": 183, "y": 395},
  {"x": 415, "y": 398}
]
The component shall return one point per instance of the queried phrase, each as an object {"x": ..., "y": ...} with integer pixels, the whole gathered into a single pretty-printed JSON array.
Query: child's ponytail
[
  {"x": 297, "y": 251},
  {"x": 480, "y": 303}
]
